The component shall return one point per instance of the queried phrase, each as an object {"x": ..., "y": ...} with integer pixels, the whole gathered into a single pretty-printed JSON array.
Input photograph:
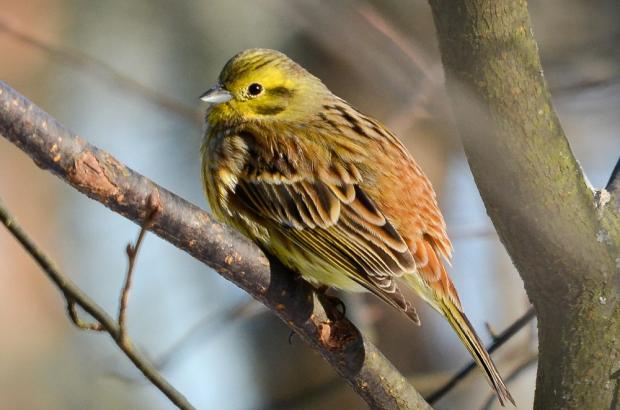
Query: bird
[{"x": 329, "y": 191}]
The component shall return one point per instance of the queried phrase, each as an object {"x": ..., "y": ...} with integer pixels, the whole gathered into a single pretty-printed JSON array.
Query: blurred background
[{"x": 127, "y": 76}]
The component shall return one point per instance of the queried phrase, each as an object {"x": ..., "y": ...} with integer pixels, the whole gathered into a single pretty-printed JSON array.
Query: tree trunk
[{"x": 563, "y": 237}]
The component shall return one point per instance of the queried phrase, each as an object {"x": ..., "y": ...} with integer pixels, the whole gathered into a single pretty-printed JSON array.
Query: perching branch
[
  {"x": 76, "y": 297},
  {"x": 103, "y": 178}
]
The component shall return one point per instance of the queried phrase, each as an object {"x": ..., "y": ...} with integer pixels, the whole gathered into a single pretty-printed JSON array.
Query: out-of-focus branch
[
  {"x": 76, "y": 297},
  {"x": 530, "y": 360},
  {"x": 72, "y": 311},
  {"x": 210, "y": 326},
  {"x": 207, "y": 327},
  {"x": 498, "y": 341},
  {"x": 414, "y": 53},
  {"x": 91, "y": 65},
  {"x": 432, "y": 72},
  {"x": 103, "y": 178},
  {"x": 469, "y": 233},
  {"x": 329, "y": 386}
]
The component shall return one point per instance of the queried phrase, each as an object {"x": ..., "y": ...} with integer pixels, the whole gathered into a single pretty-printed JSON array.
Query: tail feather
[{"x": 467, "y": 334}]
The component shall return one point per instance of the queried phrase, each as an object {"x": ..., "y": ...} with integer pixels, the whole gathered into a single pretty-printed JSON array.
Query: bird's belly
[
  {"x": 312, "y": 267},
  {"x": 318, "y": 275}
]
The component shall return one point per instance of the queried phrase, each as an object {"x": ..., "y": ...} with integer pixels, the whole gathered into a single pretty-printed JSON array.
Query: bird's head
[{"x": 262, "y": 84}]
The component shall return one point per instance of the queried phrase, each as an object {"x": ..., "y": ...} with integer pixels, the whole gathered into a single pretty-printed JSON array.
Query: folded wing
[{"x": 333, "y": 218}]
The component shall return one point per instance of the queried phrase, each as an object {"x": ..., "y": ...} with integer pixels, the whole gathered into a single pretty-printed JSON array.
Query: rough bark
[
  {"x": 103, "y": 178},
  {"x": 563, "y": 237}
]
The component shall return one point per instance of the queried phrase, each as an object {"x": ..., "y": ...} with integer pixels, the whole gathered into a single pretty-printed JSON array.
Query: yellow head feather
[{"x": 266, "y": 84}]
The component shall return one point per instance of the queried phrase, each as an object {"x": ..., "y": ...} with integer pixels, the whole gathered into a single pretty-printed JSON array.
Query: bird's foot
[
  {"x": 291, "y": 336},
  {"x": 334, "y": 307}
]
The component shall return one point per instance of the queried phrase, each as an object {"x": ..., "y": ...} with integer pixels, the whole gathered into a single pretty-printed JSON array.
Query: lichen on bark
[{"x": 537, "y": 197}]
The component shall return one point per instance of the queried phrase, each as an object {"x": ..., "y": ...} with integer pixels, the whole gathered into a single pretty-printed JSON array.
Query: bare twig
[
  {"x": 498, "y": 341},
  {"x": 415, "y": 109},
  {"x": 529, "y": 361},
  {"x": 416, "y": 55},
  {"x": 211, "y": 325},
  {"x": 491, "y": 331},
  {"x": 75, "y": 317},
  {"x": 432, "y": 72},
  {"x": 132, "y": 254},
  {"x": 100, "y": 69},
  {"x": 75, "y": 296},
  {"x": 103, "y": 178},
  {"x": 468, "y": 233},
  {"x": 585, "y": 85}
]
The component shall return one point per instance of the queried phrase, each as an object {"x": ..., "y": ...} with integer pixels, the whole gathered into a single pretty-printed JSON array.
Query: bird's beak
[{"x": 216, "y": 95}]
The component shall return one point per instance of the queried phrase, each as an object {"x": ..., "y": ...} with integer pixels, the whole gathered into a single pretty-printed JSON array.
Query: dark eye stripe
[
  {"x": 281, "y": 92},
  {"x": 270, "y": 110}
]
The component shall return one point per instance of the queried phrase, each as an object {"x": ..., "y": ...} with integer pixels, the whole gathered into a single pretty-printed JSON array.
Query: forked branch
[{"x": 76, "y": 297}]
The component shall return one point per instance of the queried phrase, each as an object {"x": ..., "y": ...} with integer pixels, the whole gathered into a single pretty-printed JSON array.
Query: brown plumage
[{"x": 328, "y": 190}]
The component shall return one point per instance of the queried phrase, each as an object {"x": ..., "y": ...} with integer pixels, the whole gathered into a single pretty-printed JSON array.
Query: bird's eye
[{"x": 255, "y": 89}]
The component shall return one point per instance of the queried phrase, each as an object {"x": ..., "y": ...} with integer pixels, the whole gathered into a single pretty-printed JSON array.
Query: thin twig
[
  {"x": 432, "y": 72},
  {"x": 585, "y": 85},
  {"x": 75, "y": 317},
  {"x": 490, "y": 331},
  {"x": 498, "y": 341},
  {"x": 75, "y": 296},
  {"x": 96, "y": 67},
  {"x": 132, "y": 254},
  {"x": 414, "y": 110},
  {"x": 416, "y": 55},
  {"x": 467, "y": 233},
  {"x": 530, "y": 360},
  {"x": 210, "y": 325}
]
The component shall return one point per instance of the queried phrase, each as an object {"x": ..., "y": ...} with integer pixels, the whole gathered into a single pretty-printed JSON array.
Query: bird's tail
[{"x": 467, "y": 334}]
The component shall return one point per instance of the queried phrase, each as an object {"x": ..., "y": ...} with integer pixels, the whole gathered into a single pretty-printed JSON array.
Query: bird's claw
[{"x": 334, "y": 307}]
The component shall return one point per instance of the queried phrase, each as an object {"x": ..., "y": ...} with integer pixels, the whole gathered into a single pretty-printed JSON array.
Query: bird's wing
[{"x": 336, "y": 220}]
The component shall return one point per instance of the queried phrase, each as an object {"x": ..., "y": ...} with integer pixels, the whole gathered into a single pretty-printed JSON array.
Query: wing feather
[{"x": 336, "y": 221}]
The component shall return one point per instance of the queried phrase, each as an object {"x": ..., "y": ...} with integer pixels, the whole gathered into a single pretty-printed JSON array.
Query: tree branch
[
  {"x": 75, "y": 296},
  {"x": 563, "y": 245},
  {"x": 528, "y": 361},
  {"x": 498, "y": 341},
  {"x": 103, "y": 178},
  {"x": 132, "y": 255}
]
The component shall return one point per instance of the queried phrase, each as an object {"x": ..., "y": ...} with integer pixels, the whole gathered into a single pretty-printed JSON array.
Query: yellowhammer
[{"x": 327, "y": 190}]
